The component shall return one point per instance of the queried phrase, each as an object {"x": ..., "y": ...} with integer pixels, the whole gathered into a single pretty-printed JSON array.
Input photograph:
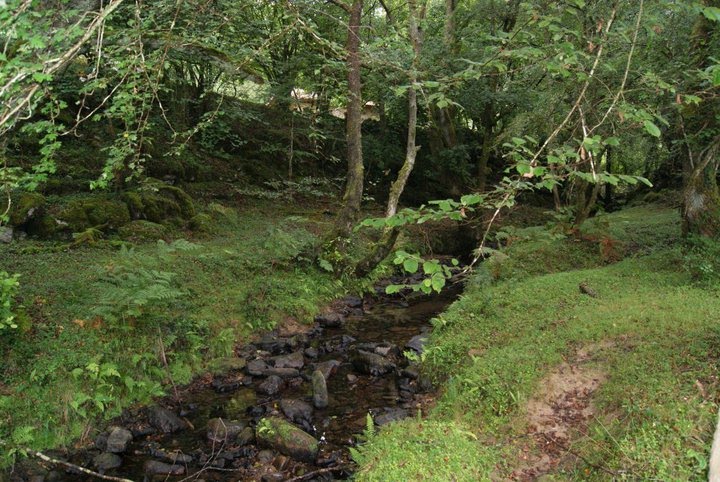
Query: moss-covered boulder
[
  {"x": 286, "y": 438},
  {"x": 44, "y": 226},
  {"x": 81, "y": 214},
  {"x": 202, "y": 223},
  {"x": 159, "y": 202},
  {"x": 142, "y": 230},
  {"x": 26, "y": 206}
]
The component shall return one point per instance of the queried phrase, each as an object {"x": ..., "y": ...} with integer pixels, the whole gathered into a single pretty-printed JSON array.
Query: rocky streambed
[{"x": 287, "y": 407}]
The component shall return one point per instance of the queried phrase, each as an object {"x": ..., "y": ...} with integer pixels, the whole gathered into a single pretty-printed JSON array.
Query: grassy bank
[
  {"x": 641, "y": 348},
  {"x": 105, "y": 326}
]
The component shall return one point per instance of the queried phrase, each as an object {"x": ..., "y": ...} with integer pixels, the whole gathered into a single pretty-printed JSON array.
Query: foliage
[
  {"x": 9, "y": 285},
  {"x": 702, "y": 260}
]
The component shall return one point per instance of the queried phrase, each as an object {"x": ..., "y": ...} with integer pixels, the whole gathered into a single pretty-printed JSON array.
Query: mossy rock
[
  {"x": 202, "y": 223},
  {"x": 142, "y": 230},
  {"x": 286, "y": 438},
  {"x": 26, "y": 206},
  {"x": 43, "y": 227},
  {"x": 82, "y": 214},
  {"x": 159, "y": 203}
]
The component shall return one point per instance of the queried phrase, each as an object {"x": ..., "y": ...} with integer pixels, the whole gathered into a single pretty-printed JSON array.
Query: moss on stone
[
  {"x": 82, "y": 214},
  {"x": 142, "y": 230},
  {"x": 202, "y": 223},
  {"x": 25, "y": 206},
  {"x": 43, "y": 227},
  {"x": 159, "y": 204}
]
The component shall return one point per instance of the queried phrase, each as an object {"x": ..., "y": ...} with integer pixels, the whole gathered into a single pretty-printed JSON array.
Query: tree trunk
[
  {"x": 387, "y": 242},
  {"x": 701, "y": 197},
  {"x": 352, "y": 198}
]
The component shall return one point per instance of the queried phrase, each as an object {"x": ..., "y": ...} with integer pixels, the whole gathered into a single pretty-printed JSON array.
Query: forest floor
[{"x": 589, "y": 357}]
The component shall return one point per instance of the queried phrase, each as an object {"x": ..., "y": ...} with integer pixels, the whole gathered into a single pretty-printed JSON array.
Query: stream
[{"x": 218, "y": 430}]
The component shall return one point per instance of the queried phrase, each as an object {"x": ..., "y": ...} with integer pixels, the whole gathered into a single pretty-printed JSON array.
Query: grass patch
[{"x": 658, "y": 331}]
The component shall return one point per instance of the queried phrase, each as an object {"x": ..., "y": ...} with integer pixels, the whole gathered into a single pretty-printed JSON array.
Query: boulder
[
  {"x": 286, "y": 438},
  {"x": 164, "y": 420},
  {"x": 220, "y": 430},
  {"x": 24, "y": 207},
  {"x": 118, "y": 440},
  {"x": 257, "y": 367},
  {"x": 320, "y": 392},
  {"x": 371, "y": 363}
]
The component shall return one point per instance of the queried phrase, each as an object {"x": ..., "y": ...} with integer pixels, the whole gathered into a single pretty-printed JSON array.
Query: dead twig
[{"x": 51, "y": 460}]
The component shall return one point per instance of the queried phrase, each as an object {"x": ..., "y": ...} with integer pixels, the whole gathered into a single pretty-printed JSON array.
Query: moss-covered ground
[
  {"x": 105, "y": 326},
  {"x": 653, "y": 332}
]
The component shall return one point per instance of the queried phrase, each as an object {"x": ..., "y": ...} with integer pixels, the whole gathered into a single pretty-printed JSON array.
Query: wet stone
[
  {"x": 320, "y": 392},
  {"x": 271, "y": 386},
  {"x": 274, "y": 345},
  {"x": 328, "y": 368},
  {"x": 247, "y": 436},
  {"x": 257, "y": 367},
  {"x": 390, "y": 415},
  {"x": 118, "y": 440},
  {"x": 296, "y": 410},
  {"x": 226, "y": 386},
  {"x": 107, "y": 461},
  {"x": 153, "y": 467},
  {"x": 282, "y": 372},
  {"x": 417, "y": 343},
  {"x": 371, "y": 363},
  {"x": 164, "y": 420},
  {"x": 312, "y": 352},
  {"x": 287, "y": 439},
  {"x": 220, "y": 430},
  {"x": 293, "y": 360},
  {"x": 330, "y": 320},
  {"x": 171, "y": 456}
]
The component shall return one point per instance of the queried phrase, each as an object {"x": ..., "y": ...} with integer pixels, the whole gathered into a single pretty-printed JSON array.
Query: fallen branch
[{"x": 51, "y": 460}]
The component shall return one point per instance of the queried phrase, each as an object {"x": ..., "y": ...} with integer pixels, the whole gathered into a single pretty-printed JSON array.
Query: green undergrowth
[
  {"x": 107, "y": 327},
  {"x": 654, "y": 336}
]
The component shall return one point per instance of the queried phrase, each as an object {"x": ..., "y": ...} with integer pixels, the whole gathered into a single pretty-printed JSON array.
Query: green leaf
[
  {"x": 393, "y": 289},
  {"x": 411, "y": 265},
  {"x": 438, "y": 282},
  {"x": 651, "y": 128},
  {"x": 712, "y": 13}
]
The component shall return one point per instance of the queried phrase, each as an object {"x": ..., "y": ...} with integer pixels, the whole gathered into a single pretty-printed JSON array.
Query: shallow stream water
[{"x": 388, "y": 324}]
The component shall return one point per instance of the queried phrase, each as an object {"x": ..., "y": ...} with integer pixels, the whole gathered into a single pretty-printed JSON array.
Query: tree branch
[
  {"x": 340, "y": 4},
  {"x": 51, "y": 460}
]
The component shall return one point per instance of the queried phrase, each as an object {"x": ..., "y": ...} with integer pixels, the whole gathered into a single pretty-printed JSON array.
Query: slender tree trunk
[
  {"x": 387, "y": 242},
  {"x": 350, "y": 211}
]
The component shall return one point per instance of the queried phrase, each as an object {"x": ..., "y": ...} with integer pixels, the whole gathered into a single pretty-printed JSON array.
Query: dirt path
[{"x": 558, "y": 415}]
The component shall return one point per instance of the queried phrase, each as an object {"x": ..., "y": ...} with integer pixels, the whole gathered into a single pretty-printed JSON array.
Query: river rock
[
  {"x": 371, "y": 363},
  {"x": 272, "y": 385},
  {"x": 107, "y": 461},
  {"x": 417, "y": 343},
  {"x": 390, "y": 415},
  {"x": 296, "y": 410},
  {"x": 328, "y": 368},
  {"x": 153, "y": 467},
  {"x": 257, "y": 367},
  {"x": 6, "y": 234},
  {"x": 320, "y": 392},
  {"x": 312, "y": 352},
  {"x": 286, "y": 438},
  {"x": 330, "y": 320},
  {"x": 273, "y": 344},
  {"x": 247, "y": 436},
  {"x": 164, "y": 420},
  {"x": 293, "y": 360},
  {"x": 282, "y": 372},
  {"x": 352, "y": 301},
  {"x": 220, "y": 430},
  {"x": 171, "y": 456},
  {"x": 118, "y": 440}
]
